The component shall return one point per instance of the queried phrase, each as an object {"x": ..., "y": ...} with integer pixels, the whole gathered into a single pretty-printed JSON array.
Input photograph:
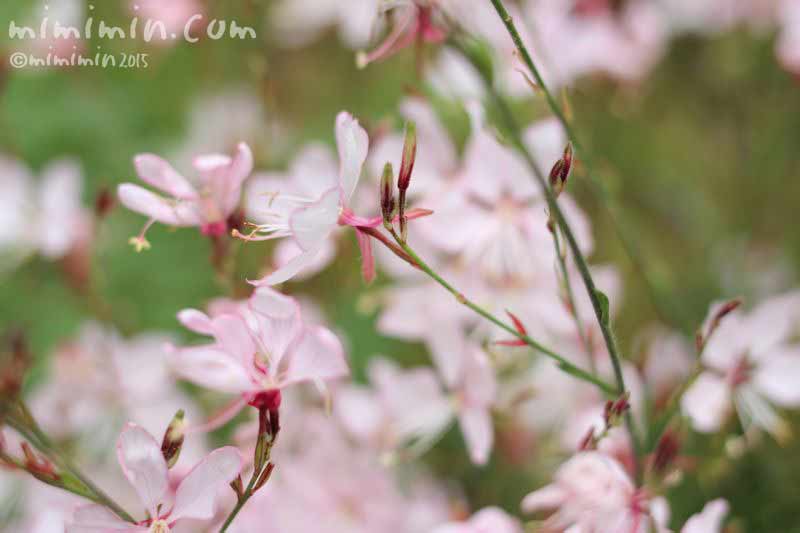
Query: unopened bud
[
  {"x": 238, "y": 487},
  {"x": 388, "y": 204},
  {"x": 264, "y": 477},
  {"x": 173, "y": 439},
  {"x": 666, "y": 452},
  {"x": 104, "y": 202},
  {"x": 409, "y": 157},
  {"x": 614, "y": 410},
  {"x": 722, "y": 311},
  {"x": 14, "y": 361},
  {"x": 40, "y": 468},
  {"x": 560, "y": 171}
]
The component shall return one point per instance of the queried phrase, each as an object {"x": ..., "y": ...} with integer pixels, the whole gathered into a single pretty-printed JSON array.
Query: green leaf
[{"x": 605, "y": 315}]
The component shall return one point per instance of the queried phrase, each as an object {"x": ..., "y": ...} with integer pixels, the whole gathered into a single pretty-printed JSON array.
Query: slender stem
[
  {"x": 513, "y": 131},
  {"x": 242, "y": 500},
  {"x": 599, "y": 188},
  {"x": 563, "y": 363},
  {"x": 30, "y": 430},
  {"x": 562, "y": 263}
]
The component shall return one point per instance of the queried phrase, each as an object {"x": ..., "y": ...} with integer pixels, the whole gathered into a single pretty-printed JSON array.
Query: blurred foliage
[{"x": 702, "y": 157}]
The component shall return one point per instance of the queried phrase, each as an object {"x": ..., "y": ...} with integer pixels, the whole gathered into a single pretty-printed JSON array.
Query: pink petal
[
  {"x": 778, "y": 377},
  {"x": 319, "y": 355},
  {"x": 311, "y": 225},
  {"x": 148, "y": 203},
  {"x": 367, "y": 258},
  {"x": 548, "y": 497},
  {"x": 290, "y": 269},
  {"x": 156, "y": 172},
  {"x": 353, "y": 144},
  {"x": 479, "y": 383},
  {"x": 288, "y": 249},
  {"x": 210, "y": 367},
  {"x": 140, "y": 457},
  {"x": 494, "y": 520},
  {"x": 98, "y": 519},
  {"x": 196, "y": 496},
  {"x": 196, "y": 321},
  {"x": 476, "y": 426},
  {"x": 240, "y": 169},
  {"x": 707, "y": 402},
  {"x": 274, "y": 304},
  {"x": 234, "y": 338},
  {"x": 277, "y": 322},
  {"x": 709, "y": 520}
]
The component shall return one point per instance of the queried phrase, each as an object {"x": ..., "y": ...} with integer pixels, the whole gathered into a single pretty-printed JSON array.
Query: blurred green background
[{"x": 702, "y": 158}]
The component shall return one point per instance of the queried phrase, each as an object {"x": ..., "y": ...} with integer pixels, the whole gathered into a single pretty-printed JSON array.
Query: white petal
[
  {"x": 476, "y": 426},
  {"x": 196, "y": 321},
  {"x": 319, "y": 355},
  {"x": 234, "y": 338},
  {"x": 353, "y": 144},
  {"x": 290, "y": 269},
  {"x": 197, "y": 493},
  {"x": 311, "y": 225},
  {"x": 148, "y": 203},
  {"x": 155, "y": 171},
  {"x": 707, "y": 402},
  {"x": 709, "y": 520},
  {"x": 778, "y": 378},
  {"x": 142, "y": 463},
  {"x": 548, "y": 497},
  {"x": 98, "y": 519},
  {"x": 210, "y": 367},
  {"x": 269, "y": 302}
]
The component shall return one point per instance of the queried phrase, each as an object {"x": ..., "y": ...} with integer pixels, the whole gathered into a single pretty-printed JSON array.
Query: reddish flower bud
[
  {"x": 560, "y": 171},
  {"x": 40, "y": 468},
  {"x": 104, "y": 202},
  {"x": 724, "y": 310},
  {"x": 264, "y": 477},
  {"x": 172, "y": 443},
  {"x": 666, "y": 452},
  {"x": 14, "y": 362},
  {"x": 409, "y": 157},
  {"x": 388, "y": 204}
]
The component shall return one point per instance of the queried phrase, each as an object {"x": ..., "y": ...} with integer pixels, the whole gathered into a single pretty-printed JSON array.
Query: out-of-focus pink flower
[
  {"x": 207, "y": 204},
  {"x": 174, "y": 16},
  {"x": 144, "y": 466},
  {"x": 669, "y": 362},
  {"x": 709, "y": 520},
  {"x": 751, "y": 366},
  {"x": 47, "y": 218},
  {"x": 488, "y": 520},
  {"x": 787, "y": 46},
  {"x": 592, "y": 492},
  {"x": 297, "y": 22},
  {"x": 409, "y": 409},
  {"x": 260, "y": 346}
]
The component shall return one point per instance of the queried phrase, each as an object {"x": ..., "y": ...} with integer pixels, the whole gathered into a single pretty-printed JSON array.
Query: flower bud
[
  {"x": 14, "y": 361},
  {"x": 39, "y": 467},
  {"x": 173, "y": 439},
  {"x": 666, "y": 452},
  {"x": 388, "y": 204},
  {"x": 560, "y": 171},
  {"x": 409, "y": 157}
]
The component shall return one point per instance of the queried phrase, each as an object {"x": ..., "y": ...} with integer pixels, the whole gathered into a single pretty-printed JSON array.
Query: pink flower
[
  {"x": 260, "y": 346},
  {"x": 143, "y": 464},
  {"x": 488, "y": 520},
  {"x": 207, "y": 204},
  {"x": 593, "y": 493},
  {"x": 709, "y": 520},
  {"x": 297, "y": 22},
  {"x": 174, "y": 16},
  {"x": 751, "y": 366}
]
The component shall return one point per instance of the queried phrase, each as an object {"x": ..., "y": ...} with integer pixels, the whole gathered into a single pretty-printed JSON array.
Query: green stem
[
  {"x": 571, "y": 301},
  {"x": 598, "y": 187},
  {"x": 513, "y": 131},
  {"x": 30, "y": 430},
  {"x": 563, "y": 363},
  {"x": 239, "y": 504}
]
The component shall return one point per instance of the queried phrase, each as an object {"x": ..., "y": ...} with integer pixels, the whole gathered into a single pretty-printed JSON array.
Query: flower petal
[
  {"x": 143, "y": 464},
  {"x": 707, "y": 403},
  {"x": 311, "y": 225},
  {"x": 240, "y": 169},
  {"x": 548, "y": 497},
  {"x": 476, "y": 426},
  {"x": 290, "y": 269},
  {"x": 777, "y": 378},
  {"x": 709, "y": 520},
  {"x": 196, "y": 321},
  {"x": 148, "y": 203},
  {"x": 234, "y": 338},
  {"x": 197, "y": 493},
  {"x": 210, "y": 367},
  {"x": 98, "y": 519},
  {"x": 319, "y": 355},
  {"x": 155, "y": 171},
  {"x": 353, "y": 144}
]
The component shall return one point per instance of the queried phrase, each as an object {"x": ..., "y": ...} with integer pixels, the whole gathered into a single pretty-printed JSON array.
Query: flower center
[{"x": 159, "y": 526}]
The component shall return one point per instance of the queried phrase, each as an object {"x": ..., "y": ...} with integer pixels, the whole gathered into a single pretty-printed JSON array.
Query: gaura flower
[
  {"x": 140, "y": 457},
  {"x": 490, "y": 519},
  {"x": 207, "y": 203},
  {"x": 310, "y": 220},
  {"x": 260, "y": 347},
  {"x": 752, "y": 366}
]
